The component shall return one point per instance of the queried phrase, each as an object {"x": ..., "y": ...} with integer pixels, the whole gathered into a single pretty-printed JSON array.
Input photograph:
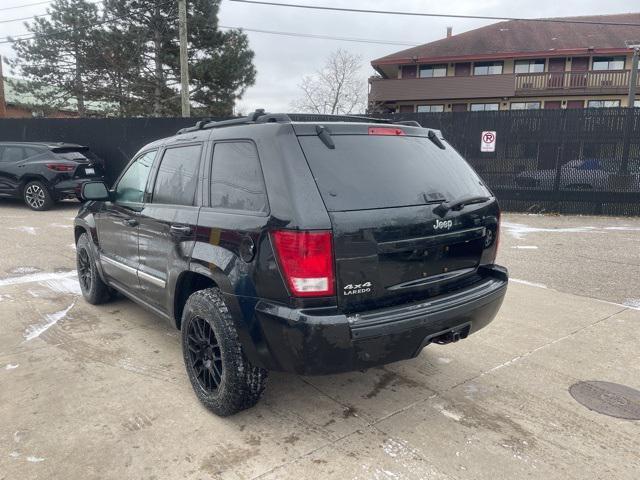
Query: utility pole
[
  {"x": 184, "y": 57},
  {"x": 3, "y": 107}
]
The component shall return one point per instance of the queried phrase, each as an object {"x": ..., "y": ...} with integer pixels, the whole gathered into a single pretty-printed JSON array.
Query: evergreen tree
[
  {"x": 55, "y": 61},
  {"x": 220, "y": 63}
]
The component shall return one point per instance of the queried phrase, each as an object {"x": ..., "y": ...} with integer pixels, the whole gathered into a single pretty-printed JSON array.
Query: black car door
[
  {"x": 117, "y": 224},
  {"x": 168, "y": 222},
  {"x": 12, "y": 166}
]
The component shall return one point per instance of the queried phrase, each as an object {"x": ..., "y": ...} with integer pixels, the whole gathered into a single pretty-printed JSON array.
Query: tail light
[
  {"x": 496, "y": 240},
  {"x": 306, "y": 261},
  {"x": 61, "y": 167}
]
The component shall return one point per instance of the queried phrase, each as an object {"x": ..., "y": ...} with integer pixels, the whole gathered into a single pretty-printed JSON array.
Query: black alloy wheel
[{"x": 204, "y": 354}]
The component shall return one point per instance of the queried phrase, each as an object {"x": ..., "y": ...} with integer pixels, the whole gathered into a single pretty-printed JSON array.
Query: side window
[
  {"x": 12, "y": 154},
  {"x": 130, "y": 188},
  {"x": 178, "y": 176},
  {"x": 236, "y": 178}
]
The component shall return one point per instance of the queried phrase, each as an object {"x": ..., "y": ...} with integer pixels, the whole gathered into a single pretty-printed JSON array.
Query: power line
[
  {"x": 30, "y": 36},
  {"x": 440, "y": 15},
  {"x": 323, "y": 37},
  {"x": 33, "y": 17},
  {"x": 24, "y": 6}
]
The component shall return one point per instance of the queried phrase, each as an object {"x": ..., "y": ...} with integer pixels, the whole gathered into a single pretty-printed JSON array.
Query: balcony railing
[{"x": 614, "y": 81}]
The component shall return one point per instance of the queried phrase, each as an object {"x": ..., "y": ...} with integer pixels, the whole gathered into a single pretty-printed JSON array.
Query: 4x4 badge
[{"x": 357, "y": 288}]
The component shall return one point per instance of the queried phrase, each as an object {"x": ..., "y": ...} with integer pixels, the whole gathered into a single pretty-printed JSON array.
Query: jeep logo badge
[{"x": 443, "y": 224}]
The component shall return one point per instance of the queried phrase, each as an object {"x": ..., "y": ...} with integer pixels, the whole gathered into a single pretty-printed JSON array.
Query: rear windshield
[
  {"x": 76, "y": 153},
  {"x": 366, "y": 171}
]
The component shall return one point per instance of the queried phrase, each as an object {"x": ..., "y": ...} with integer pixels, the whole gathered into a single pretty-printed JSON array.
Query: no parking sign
[{"x": 488, "y": 141}]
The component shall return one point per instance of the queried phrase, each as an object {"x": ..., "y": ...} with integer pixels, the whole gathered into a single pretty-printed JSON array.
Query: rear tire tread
[{"x": 243, "y": 383}]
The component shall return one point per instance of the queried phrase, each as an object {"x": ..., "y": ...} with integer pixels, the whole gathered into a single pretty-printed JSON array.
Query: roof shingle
[{"x": 522, "y": 36}]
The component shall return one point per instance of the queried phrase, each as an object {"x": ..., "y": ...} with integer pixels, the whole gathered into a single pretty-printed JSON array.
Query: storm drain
[{"x": 608, "y": 398}]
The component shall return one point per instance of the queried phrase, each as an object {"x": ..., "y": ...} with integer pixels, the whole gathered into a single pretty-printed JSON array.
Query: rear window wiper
[
  {"x": 325, "y": 135},
  {"x": 458, "y": 204}
]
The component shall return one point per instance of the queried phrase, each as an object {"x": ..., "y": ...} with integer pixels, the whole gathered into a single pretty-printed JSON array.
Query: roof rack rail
[
  {"x": 260, "y": 116},
  {"x": 326, "y": 117}
]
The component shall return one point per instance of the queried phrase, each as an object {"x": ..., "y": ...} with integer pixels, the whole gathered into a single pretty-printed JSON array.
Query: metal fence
[
  {"x": 115, "y": 140},
  {"x": 570, "y": 161}
]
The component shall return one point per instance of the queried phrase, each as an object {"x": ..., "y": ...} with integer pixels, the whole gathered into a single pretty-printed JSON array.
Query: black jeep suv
[
  {"x": 43, "y": 173},
  {"x": 314, "y": 246}
]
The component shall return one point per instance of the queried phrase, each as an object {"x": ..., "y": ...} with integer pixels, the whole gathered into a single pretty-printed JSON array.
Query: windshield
[{"x": 369, "y": 171}]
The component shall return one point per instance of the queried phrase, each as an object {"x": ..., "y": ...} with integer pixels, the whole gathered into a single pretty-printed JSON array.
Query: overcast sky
[{"x": 281, "y": 61}]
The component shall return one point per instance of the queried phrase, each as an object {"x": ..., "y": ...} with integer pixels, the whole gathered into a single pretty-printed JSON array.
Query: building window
[
  {"x": 430, "y": 108},
  {"x": 487, "y": 68},
  {"x": 529, "y": 66},
  {"x": 525, "y": 106},
  {"x": 427, "y": 71},
  {"x": 408, "y": 71},
  {"x": 608, "y": 63},
  {"x": 603, "y": 103},
  {"x": 485, "y": 107},
  {"x": 636, "y": 103}
]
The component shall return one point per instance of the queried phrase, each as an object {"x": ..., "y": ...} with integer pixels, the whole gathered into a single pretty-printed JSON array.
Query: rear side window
[
  {"x": 370, "y": 171},
  {"x": 177, "y": 177},
  {"x": 12, "y": 153},
  {"x": 236, "y": 178}
]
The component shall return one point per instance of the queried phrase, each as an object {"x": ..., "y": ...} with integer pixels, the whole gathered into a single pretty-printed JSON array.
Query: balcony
[
  {"x": 559, "y": 83},
  {"x": 442, "y": 88},
  {"x": 612, "y": 82}
]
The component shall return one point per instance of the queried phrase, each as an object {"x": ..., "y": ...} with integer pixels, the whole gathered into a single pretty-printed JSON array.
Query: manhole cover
[{"x": 608, "y": 398}]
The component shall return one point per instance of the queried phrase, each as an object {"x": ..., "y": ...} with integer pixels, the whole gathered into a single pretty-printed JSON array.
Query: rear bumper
[{"x": 317, "y": 341}]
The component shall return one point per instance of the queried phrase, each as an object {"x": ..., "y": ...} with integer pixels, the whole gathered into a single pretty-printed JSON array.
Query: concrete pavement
[{"x": 100, "y": 392}]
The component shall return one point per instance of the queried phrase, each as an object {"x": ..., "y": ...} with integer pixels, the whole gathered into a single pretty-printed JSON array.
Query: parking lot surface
[{"x": 100, "y": 392}]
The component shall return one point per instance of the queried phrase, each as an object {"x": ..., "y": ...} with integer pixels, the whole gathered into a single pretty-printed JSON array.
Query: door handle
[
  {"x": 180, "y": 230},
  {"x": 130, "y": 222}
]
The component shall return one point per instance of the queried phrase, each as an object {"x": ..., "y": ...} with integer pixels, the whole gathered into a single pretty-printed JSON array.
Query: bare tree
[{"x": 337, "y": 89}]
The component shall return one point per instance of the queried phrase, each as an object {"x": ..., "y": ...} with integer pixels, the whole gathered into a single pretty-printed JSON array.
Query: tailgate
[{"x": 387, "y": 256}]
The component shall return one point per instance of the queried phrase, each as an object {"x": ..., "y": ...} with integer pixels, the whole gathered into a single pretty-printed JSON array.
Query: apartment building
[{"x": 513, "y": 65}]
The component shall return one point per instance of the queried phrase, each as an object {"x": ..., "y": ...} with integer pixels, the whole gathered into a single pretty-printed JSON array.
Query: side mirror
[{"x": 94, "y": 191}]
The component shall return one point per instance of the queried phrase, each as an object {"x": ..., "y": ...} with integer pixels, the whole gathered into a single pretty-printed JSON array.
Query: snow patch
[
  {"x": 624, "y": 228},
  {"x": 525, "y": 247},
  {"x": 632, "y": 303},
  {"x": 25, "y": 229},
  {"x": 11, "y": 366},
  {"x": 14, "y": 454},
  {"x": 448, "y": 413},
  {"x": 520, "y": 230},
  {"x": 24, "y": 270},
  {"x": 60, "y": 225},
  {"x": 33, "y": 459},
  {"x": 444, "y": 360},
  {"x": 63, "y": 285},
  {"x": 34, "y": 331},
  {"x": 525, "y": 282},
  {"x": 36, "y": 277}
]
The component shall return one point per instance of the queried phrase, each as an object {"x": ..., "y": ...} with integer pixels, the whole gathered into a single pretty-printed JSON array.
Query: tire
[
  {"x": 37, "y": 196},
  {"x": 94, "y": 290},
  {"x": 222, "y": 377}
]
